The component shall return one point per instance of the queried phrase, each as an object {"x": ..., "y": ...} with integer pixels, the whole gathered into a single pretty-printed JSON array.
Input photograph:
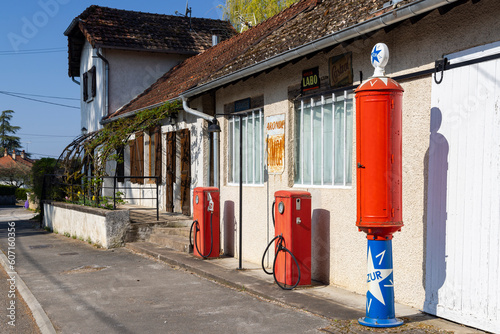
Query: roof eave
[{"x": 381, "y": 21}]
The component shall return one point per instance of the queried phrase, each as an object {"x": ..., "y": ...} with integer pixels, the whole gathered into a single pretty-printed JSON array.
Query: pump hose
[
  {"x": 280, "y": 248},
  {"x": 197, "y": 229}
]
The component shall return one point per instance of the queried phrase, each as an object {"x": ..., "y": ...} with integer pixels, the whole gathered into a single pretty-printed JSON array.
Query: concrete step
[
  {"x": 180, "y": 231},
  {"x": 175, "y": 242}
]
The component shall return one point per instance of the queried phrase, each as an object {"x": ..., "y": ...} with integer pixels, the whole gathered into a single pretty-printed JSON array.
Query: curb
[{"x": 42, "y": 320}]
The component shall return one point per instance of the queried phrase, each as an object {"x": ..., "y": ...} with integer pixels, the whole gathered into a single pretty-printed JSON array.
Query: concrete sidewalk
[
  {"x": 83, "y": 289},
  {"x": 340, "y": 306}
]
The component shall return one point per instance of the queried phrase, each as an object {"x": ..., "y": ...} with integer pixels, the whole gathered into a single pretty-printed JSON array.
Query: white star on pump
[{"x": 375, "y": 276}]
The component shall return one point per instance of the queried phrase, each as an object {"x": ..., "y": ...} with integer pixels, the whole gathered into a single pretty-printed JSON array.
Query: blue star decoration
[
  {"x": 376, "y": 276},
  {"x": 375, "y": 54}
]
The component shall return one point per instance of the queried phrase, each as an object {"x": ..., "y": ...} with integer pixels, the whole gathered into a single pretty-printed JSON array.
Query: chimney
[
  {"x": 22, "y": 154},
  {"x": 14, "y": 154}
]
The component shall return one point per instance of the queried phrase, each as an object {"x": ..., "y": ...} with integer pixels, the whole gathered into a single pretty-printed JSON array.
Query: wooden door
[
  {"x": 185, "y": 171},
  {"x": 170, "y": 177}
]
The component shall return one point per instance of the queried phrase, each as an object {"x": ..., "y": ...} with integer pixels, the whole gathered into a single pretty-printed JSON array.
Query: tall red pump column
[{"x": 379, "y": 184}]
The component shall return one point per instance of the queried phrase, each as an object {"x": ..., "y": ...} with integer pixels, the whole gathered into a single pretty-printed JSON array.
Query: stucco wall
[
  {"x": 339, "y": 250},
  {"x": 102, "y": 227},
  {"x": 130, "y": 73}
]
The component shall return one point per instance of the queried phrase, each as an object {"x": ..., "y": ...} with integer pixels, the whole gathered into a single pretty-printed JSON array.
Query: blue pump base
[{"x": 380, "y": 323}]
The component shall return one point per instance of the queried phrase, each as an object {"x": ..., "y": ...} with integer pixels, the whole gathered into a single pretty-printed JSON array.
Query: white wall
[{"x": 130, "y": 73}]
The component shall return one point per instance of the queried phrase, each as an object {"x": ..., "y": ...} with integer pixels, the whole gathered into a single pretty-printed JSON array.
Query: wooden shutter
[
  {"x": 185, "y": 172},
  {"x": 85, "y": 86},
  {"x": 158, "y": 153},
  {"x": 170, "y": 177},
  {"x": 132, "y": 161},
  {"x": 139, "y": 150}
]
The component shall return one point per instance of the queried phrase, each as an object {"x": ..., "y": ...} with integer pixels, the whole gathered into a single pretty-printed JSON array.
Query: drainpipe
[
  {"x": 74, "y": 80},
  {"x": 106, "y": 81},
  {"x": 216, "y": 139}
]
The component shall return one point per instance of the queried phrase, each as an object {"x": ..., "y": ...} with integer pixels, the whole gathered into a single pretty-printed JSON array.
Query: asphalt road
[
  {"x": 15, "y": 316},
  {"x": 88, "y": 290}
]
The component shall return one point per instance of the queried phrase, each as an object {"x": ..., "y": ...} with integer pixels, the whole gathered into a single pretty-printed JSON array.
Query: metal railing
[{"x": 95, "y": 191}]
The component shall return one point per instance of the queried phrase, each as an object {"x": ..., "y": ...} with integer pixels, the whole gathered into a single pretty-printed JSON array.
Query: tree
[
  {"x": 8, "y": 141},
  {"x": 245, "y": 13},
  {"x": 17, "y": 175}
]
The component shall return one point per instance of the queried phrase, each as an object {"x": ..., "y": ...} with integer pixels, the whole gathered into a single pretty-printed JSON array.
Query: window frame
[
  {"x": 233, "y": 153},
  {"x": 346, "y": 95}
]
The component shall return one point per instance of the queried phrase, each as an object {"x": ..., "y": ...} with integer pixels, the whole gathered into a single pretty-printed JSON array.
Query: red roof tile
[{"x": 303, "y": 22}]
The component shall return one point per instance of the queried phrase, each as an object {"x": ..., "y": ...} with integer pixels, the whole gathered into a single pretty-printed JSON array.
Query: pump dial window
[{"x": 281, "y": 207}]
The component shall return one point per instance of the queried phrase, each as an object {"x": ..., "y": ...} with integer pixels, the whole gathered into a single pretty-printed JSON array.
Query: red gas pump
[
  {"x": 206, "y": 222},
  {"x": 292, "y": 229}
]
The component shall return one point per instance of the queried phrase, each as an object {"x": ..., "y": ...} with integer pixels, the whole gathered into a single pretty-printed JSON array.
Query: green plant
[
  {"x": 89, "y": 240},
  {"x": 66, "y": 234},
  {"x": 73, "y": 236},
  {"x": 56, "y": 231},
  {"x": 22, "y": 194},
  {"x": 40, "y": 169}
]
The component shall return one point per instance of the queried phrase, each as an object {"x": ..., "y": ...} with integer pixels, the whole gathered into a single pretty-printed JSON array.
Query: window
[
  {"x": 253, "y": 148},
  {"x": 85, "y": 84},
  {"x": 89, "y": 83},
  {"x": 323, "y": 140}
]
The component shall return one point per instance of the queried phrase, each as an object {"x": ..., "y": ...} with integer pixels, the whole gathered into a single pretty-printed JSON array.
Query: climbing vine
[{"x": 107, "y": 142}]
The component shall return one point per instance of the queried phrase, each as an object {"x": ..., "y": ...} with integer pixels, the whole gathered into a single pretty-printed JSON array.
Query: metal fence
[{"x": 103, "y": 192}]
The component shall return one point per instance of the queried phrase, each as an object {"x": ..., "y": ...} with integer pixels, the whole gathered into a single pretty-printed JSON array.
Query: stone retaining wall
[{"x": 106, "y": 228}]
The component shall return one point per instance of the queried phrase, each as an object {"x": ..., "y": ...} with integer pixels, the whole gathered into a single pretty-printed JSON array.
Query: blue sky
[{"x": 33, "y": 60}]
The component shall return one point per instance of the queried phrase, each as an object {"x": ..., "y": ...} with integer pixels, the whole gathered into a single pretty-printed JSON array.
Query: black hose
[
  {"x": 264, "y": 256},
  {"x": 196, "y": 232},
  {"x": 272, "y": 212},
  {"x": 280, "y": 248}
]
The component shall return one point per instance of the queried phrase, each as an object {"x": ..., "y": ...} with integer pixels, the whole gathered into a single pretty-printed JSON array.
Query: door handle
[{"x": 360, "y": 165}]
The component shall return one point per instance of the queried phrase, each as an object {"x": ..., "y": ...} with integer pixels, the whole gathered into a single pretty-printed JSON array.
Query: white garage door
[{"x": 463, "y": 212}]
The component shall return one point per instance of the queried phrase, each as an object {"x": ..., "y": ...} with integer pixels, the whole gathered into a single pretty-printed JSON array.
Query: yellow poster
[{"x": 275, "y": 130}]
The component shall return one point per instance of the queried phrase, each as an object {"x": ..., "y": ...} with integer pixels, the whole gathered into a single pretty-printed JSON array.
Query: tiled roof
[
  {"x": 303, "y": 22},
  {"x": 8, "y": 161},
  {"x": 122, "y": 29}
]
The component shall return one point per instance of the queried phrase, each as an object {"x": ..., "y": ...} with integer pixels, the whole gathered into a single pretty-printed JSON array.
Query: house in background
[
  {"x": 446, "y": 256},
  {"x": 116, "y": 54},
  {"x": 15, "y": 168}
]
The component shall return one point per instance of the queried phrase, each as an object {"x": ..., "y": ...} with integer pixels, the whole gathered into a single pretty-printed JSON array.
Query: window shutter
[
  {"x": 185, "y": 172},
  {"x": 139, "y": 143},
  {"x": 85, "y": 86},
  {"x": 133, "y": 167},
  {"x": 94, "y": 81},
  {"x": 158, "y": 154}
]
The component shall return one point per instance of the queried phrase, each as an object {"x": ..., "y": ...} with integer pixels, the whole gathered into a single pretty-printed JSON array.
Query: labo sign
[{"x": 310, "y": 79}]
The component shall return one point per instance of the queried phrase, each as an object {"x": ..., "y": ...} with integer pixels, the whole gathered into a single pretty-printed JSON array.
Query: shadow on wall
[
  {"x": 320, "y": 246},
  {"x": 435, "y": 214},
  {"x": 229, "y": 222}
]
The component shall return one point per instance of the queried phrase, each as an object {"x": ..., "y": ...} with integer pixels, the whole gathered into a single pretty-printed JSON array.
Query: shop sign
[
  {"x": 340, "y": 68},
  {"x": 275, "y": 129},
  {"x": 310, "y": 79}
]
